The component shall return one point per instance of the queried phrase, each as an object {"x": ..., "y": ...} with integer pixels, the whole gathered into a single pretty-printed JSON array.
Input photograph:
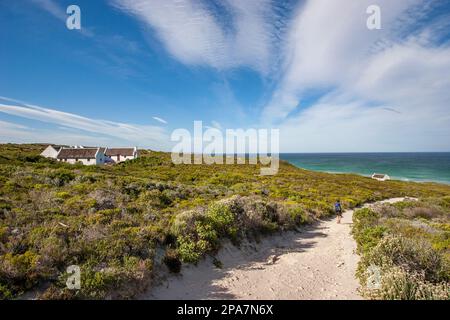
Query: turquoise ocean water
[{"x": 422, "y": 166}]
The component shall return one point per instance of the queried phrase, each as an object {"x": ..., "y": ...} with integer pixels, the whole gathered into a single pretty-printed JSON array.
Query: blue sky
[{"x": 139, "y": 69}]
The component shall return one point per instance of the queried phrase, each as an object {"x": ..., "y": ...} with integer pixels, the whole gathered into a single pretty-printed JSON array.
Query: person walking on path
[{"x": 338, "y": 210}]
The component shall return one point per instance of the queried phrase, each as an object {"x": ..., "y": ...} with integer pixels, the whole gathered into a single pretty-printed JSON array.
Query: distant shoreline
[
  {"x": 421, "y": 167},
  {"x": 402, "y": 179}
]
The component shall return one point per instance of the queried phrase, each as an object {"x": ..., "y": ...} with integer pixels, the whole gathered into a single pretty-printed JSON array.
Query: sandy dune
[{"x": 319, "y": 262}]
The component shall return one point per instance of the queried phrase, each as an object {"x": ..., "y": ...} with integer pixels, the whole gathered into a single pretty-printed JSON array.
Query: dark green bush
[{"x": 172, "y": 261}]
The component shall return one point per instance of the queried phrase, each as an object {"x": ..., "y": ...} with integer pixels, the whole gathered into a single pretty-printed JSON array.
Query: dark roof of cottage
[
  {"x": 119, "y": 151},
  {"x": 77, "y": 153}
]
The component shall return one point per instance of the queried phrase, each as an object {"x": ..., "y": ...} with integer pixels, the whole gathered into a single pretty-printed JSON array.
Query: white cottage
[
  {"x": 52, "y": 151},
  {"x": 87, "y": 156},
  {"x": 380, "y": 177},
  {"x": 121, "y": 154}
]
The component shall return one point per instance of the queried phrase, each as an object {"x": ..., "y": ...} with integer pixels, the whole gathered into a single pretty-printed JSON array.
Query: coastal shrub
[
  {"x": 409, "y": 250},
  {"x": 205, "y": 231},
  {"x": 350, "y": 202},
  {"x": 96, "y": 284},
  {"x": 4, "y": 205},
  {"x": 221, "y": 219},
  {"x": 61, "y": 177},
  {"x": 189, "y": 250},
  {"x": 408, "y": 274},
  {"x": 298, "y": 215},
  {"x": 154, "y": 198},
  {"x": 259, "y": 216},
  {"x": 62, "y": 195},
  {"x": 227, "y": 179},
  {"x": 422, "y": 212},
  {"x": 402, "y": 205},
  {"x": 134, "y": 276},
  {"x": 203, "y": 239},
  {"x": 366, "y": 231},
  {"x": 53, "y": 252},
  {"x": 184, "y": 222},
  {"x": 19, "y": 271},
  {"x": 172, "y": 261},
  {"x": 389, "y": 211},
  {"x": 399, "y": 284},
  {"x": 133, "y": 189},
  {"x": 117, "y": 280},
  {"x": 103, "y": 199},
  {"x": 200, "y": 232},
  {"x": 10, "y": 187},
  {"x": 167, "y": 197},
  {"x": 441, "y": 240},
  {"x": 365, "y": 218},
  {"x": 3, "y": 235},
  {"x": 30, "y": 158},
  {"x": 413, "y": 255},
  {"x": 369, "y": 237},
  {"x": 5, "y": 293}
]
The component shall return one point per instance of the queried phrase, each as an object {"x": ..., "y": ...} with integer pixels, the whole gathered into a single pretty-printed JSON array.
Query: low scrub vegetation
[
  {"x": 113, "y": 221},
  {"x": 405, "y": 249}
]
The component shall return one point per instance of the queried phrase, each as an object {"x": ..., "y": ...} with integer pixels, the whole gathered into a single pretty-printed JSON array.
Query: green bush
[
  {"x": 298, "y": 215},
  {"x": 222, "y": 220},
  {"x": 5, "y": 293},
  {"x": 62, "y": 195},
  {"x": 172, "y": 261},
  {"x": 369, "y": 237},
  {"x": 96, "y": 284},
  {"x": 409, "y": 250},
  {"x": 62, "y": 176},
  {"x": 189, "y": 250},
  {"x": 408, "y": 270}
]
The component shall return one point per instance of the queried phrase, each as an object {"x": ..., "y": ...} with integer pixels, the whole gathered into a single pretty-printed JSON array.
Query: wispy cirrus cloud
[
  {"x": 10, "y": 131},
  {"x": 160, "y": 120},
  {"x": 144, "y": 135},
  {"x": 57, "y": 11},
  {"x": 13, "y": 132},
  {"x": 54, "y": 8},
  {"x": 192, "y": 33},
  {"x": 364, "y": 75},
  {"x": 117, "y": 53},
  {"x": 328, "y": 46}
]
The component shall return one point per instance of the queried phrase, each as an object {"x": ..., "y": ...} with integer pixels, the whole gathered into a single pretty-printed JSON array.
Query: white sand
[{"x": 319, "y": 262}]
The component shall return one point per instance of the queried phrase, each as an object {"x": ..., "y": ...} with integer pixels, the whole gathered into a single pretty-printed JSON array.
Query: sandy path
[{"x": 319, "y": 262}]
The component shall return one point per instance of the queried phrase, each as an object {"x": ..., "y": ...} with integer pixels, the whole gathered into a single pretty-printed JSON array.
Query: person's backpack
[{"x": 337, "y": 206}]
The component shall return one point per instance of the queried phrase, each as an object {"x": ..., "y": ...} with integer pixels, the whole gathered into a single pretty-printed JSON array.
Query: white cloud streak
[
  {"x": 192, "y": 34},
  {"x": 144, "y": 135},
  {"x": 52, "y": 8},
  {"x": 59, "y": 12},
  {"x": 160, "y": 120},
  {"x": 367, "y": 73},
  {"x": 327, "y": 46}
]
